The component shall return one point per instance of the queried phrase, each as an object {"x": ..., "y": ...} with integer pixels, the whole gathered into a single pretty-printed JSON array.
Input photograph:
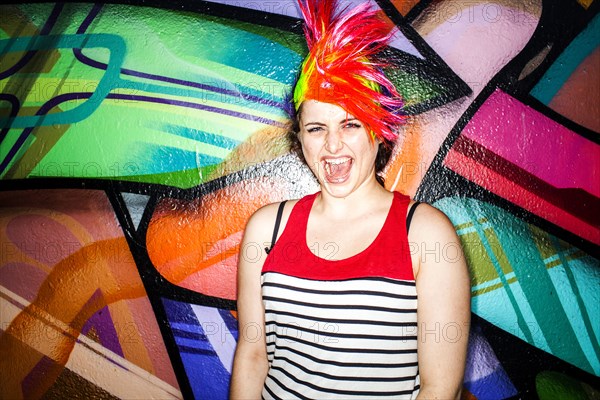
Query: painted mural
[{"x": 136, "y": 140}]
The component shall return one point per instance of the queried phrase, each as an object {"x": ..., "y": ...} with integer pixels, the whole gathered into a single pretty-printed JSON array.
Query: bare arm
[
  {"x": 250, "y": 363},
  {"x": 443, "y": 314}
]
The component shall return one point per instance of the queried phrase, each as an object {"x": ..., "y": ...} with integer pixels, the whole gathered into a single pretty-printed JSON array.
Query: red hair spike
[{"x": 341, "y": 67}]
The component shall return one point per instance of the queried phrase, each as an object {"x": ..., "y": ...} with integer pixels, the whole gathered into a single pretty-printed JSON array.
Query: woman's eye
[
  {"x": 314, "y": 129},
  {"x": 352, "y": 125}
]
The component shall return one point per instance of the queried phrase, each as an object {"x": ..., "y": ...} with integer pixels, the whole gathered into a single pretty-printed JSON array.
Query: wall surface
[{"x": 136, "y": 141}]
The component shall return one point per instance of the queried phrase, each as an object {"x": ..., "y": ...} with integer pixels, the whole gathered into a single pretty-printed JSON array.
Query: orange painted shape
[
  {"x": 185, "y": 238},
  {"x": 407, "y": 168},
  {"x": 404, "y": 6}
]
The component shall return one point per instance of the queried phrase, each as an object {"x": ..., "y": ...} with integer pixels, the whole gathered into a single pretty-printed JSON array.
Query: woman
[{"x": 332, "y": 311}]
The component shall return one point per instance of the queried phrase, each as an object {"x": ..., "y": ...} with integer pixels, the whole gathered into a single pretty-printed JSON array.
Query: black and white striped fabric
[{"x": 340, "y": 339}]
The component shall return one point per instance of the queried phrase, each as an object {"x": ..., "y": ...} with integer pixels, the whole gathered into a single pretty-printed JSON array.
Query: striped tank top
[{"x": 346, "y": 328}]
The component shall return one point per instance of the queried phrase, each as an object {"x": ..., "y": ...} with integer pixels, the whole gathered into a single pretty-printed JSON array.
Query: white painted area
[
  {"x": 217, "y": 333},
  {"x": 136, "y": 204},
  {"x": 290, "y": 8}
]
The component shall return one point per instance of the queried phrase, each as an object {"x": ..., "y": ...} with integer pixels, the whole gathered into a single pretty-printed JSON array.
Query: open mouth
[{"x": 337, "y": 170}]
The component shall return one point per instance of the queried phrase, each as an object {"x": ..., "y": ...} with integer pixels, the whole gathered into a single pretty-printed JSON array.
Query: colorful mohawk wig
[{"x": 341, "y": 68}]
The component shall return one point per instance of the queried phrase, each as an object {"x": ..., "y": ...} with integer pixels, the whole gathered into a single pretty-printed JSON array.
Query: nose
[{"x": 333, "y": 141}]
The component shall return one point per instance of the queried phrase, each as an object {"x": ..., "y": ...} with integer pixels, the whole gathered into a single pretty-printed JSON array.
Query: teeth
[
  {"x": 337, "y": 161},
  {"x": 328, "y": 162}
]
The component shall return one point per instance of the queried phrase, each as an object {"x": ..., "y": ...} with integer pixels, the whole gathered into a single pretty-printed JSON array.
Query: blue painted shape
[
  {"x": 564, "y": 66},
  {"x": 206, "y": 374},
  {"x": 230, "y": 322},
  {"x": 195, "y": 343},
  {"x": 153, "y": 158},
  {"x": 495, "y": 386},
  {"x": 484, "y": 376},
  {"x": 110, "y": 79}
]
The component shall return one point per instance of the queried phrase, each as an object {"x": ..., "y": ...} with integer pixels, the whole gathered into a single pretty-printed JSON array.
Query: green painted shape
[
  {"x": 552, "y": 385},
  {"x": 183, "y": 42},
  {"x": 478, "y": 259},
  {"x": 110, "y": 139},
  {"x": 112, "y": 42},
  {"x": 295, "y": 42},
  {"x": 413, "y": 88},
  {"x": 179, "y": 179}
]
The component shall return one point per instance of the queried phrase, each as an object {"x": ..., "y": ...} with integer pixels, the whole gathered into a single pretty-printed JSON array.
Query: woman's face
[{"x": 337, "y": 148}]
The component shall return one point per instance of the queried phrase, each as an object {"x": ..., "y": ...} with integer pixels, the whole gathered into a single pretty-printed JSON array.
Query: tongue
[{"x": 337, "y": 172}]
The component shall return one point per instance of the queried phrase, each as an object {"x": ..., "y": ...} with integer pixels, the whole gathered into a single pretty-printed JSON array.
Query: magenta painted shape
[{"x": 536, "y": 143}]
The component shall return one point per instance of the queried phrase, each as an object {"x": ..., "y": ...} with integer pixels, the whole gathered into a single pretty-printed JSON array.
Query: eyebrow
[{"x": 344, "y": 121}]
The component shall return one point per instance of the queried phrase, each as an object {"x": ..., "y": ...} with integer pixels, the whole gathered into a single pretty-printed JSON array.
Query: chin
[{"x": 339, "y": 189}]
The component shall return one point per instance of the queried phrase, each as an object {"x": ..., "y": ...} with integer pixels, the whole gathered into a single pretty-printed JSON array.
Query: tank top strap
[
  {"x": 399, "y": 209},
  {"x": 298, "y": 219}
]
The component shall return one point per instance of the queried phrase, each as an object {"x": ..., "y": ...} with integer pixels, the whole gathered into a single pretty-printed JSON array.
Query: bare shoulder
[
  {"x": 434, "y": 242},
  {"x": 430, "y": 223},
  {"x": 261, "y": 223}
]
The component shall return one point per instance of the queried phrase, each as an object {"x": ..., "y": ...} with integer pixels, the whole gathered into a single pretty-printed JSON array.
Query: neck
[{"x": 364, "y": 199}]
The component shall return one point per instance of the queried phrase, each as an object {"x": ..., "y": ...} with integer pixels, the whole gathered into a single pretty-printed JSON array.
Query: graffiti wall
[{"x": 137, "y": 139}]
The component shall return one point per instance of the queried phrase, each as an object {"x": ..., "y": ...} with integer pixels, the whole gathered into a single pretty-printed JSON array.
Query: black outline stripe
[
  {"x": 356, "y": 378},
  {"x": 341, "y": 363},
  {"x": 342, "y": 349},
  {"x": 286, "y": 389},
  {"x": 364, "y": 278},
  {"x": 319, "y": 333},
  {"x": 340, "y": 292},
  {"x": 340, "y": 306},
  {"x": 342, "y": 321},
  {"x": 337, "y": 391}
]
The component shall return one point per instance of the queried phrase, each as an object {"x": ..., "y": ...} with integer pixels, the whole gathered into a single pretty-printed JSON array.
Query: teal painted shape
[
  {"x": 201, "y": 136},
  {"x": 564, "y": 66},
  {"x": 572, "y": 286},
  {"x": 277, "y": 60},
  {"x": 474, "y": 214},
  {"x": 156, "y": 159},
  {"x": 109, "y": 80},
  {"x": 562, "y": 319},
  {"x": 532, "y": 275},
  {"x": 486, "y": 306}
]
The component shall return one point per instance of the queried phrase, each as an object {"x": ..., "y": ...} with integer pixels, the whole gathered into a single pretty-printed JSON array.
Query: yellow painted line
[{"x": 492, "y": 287}]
